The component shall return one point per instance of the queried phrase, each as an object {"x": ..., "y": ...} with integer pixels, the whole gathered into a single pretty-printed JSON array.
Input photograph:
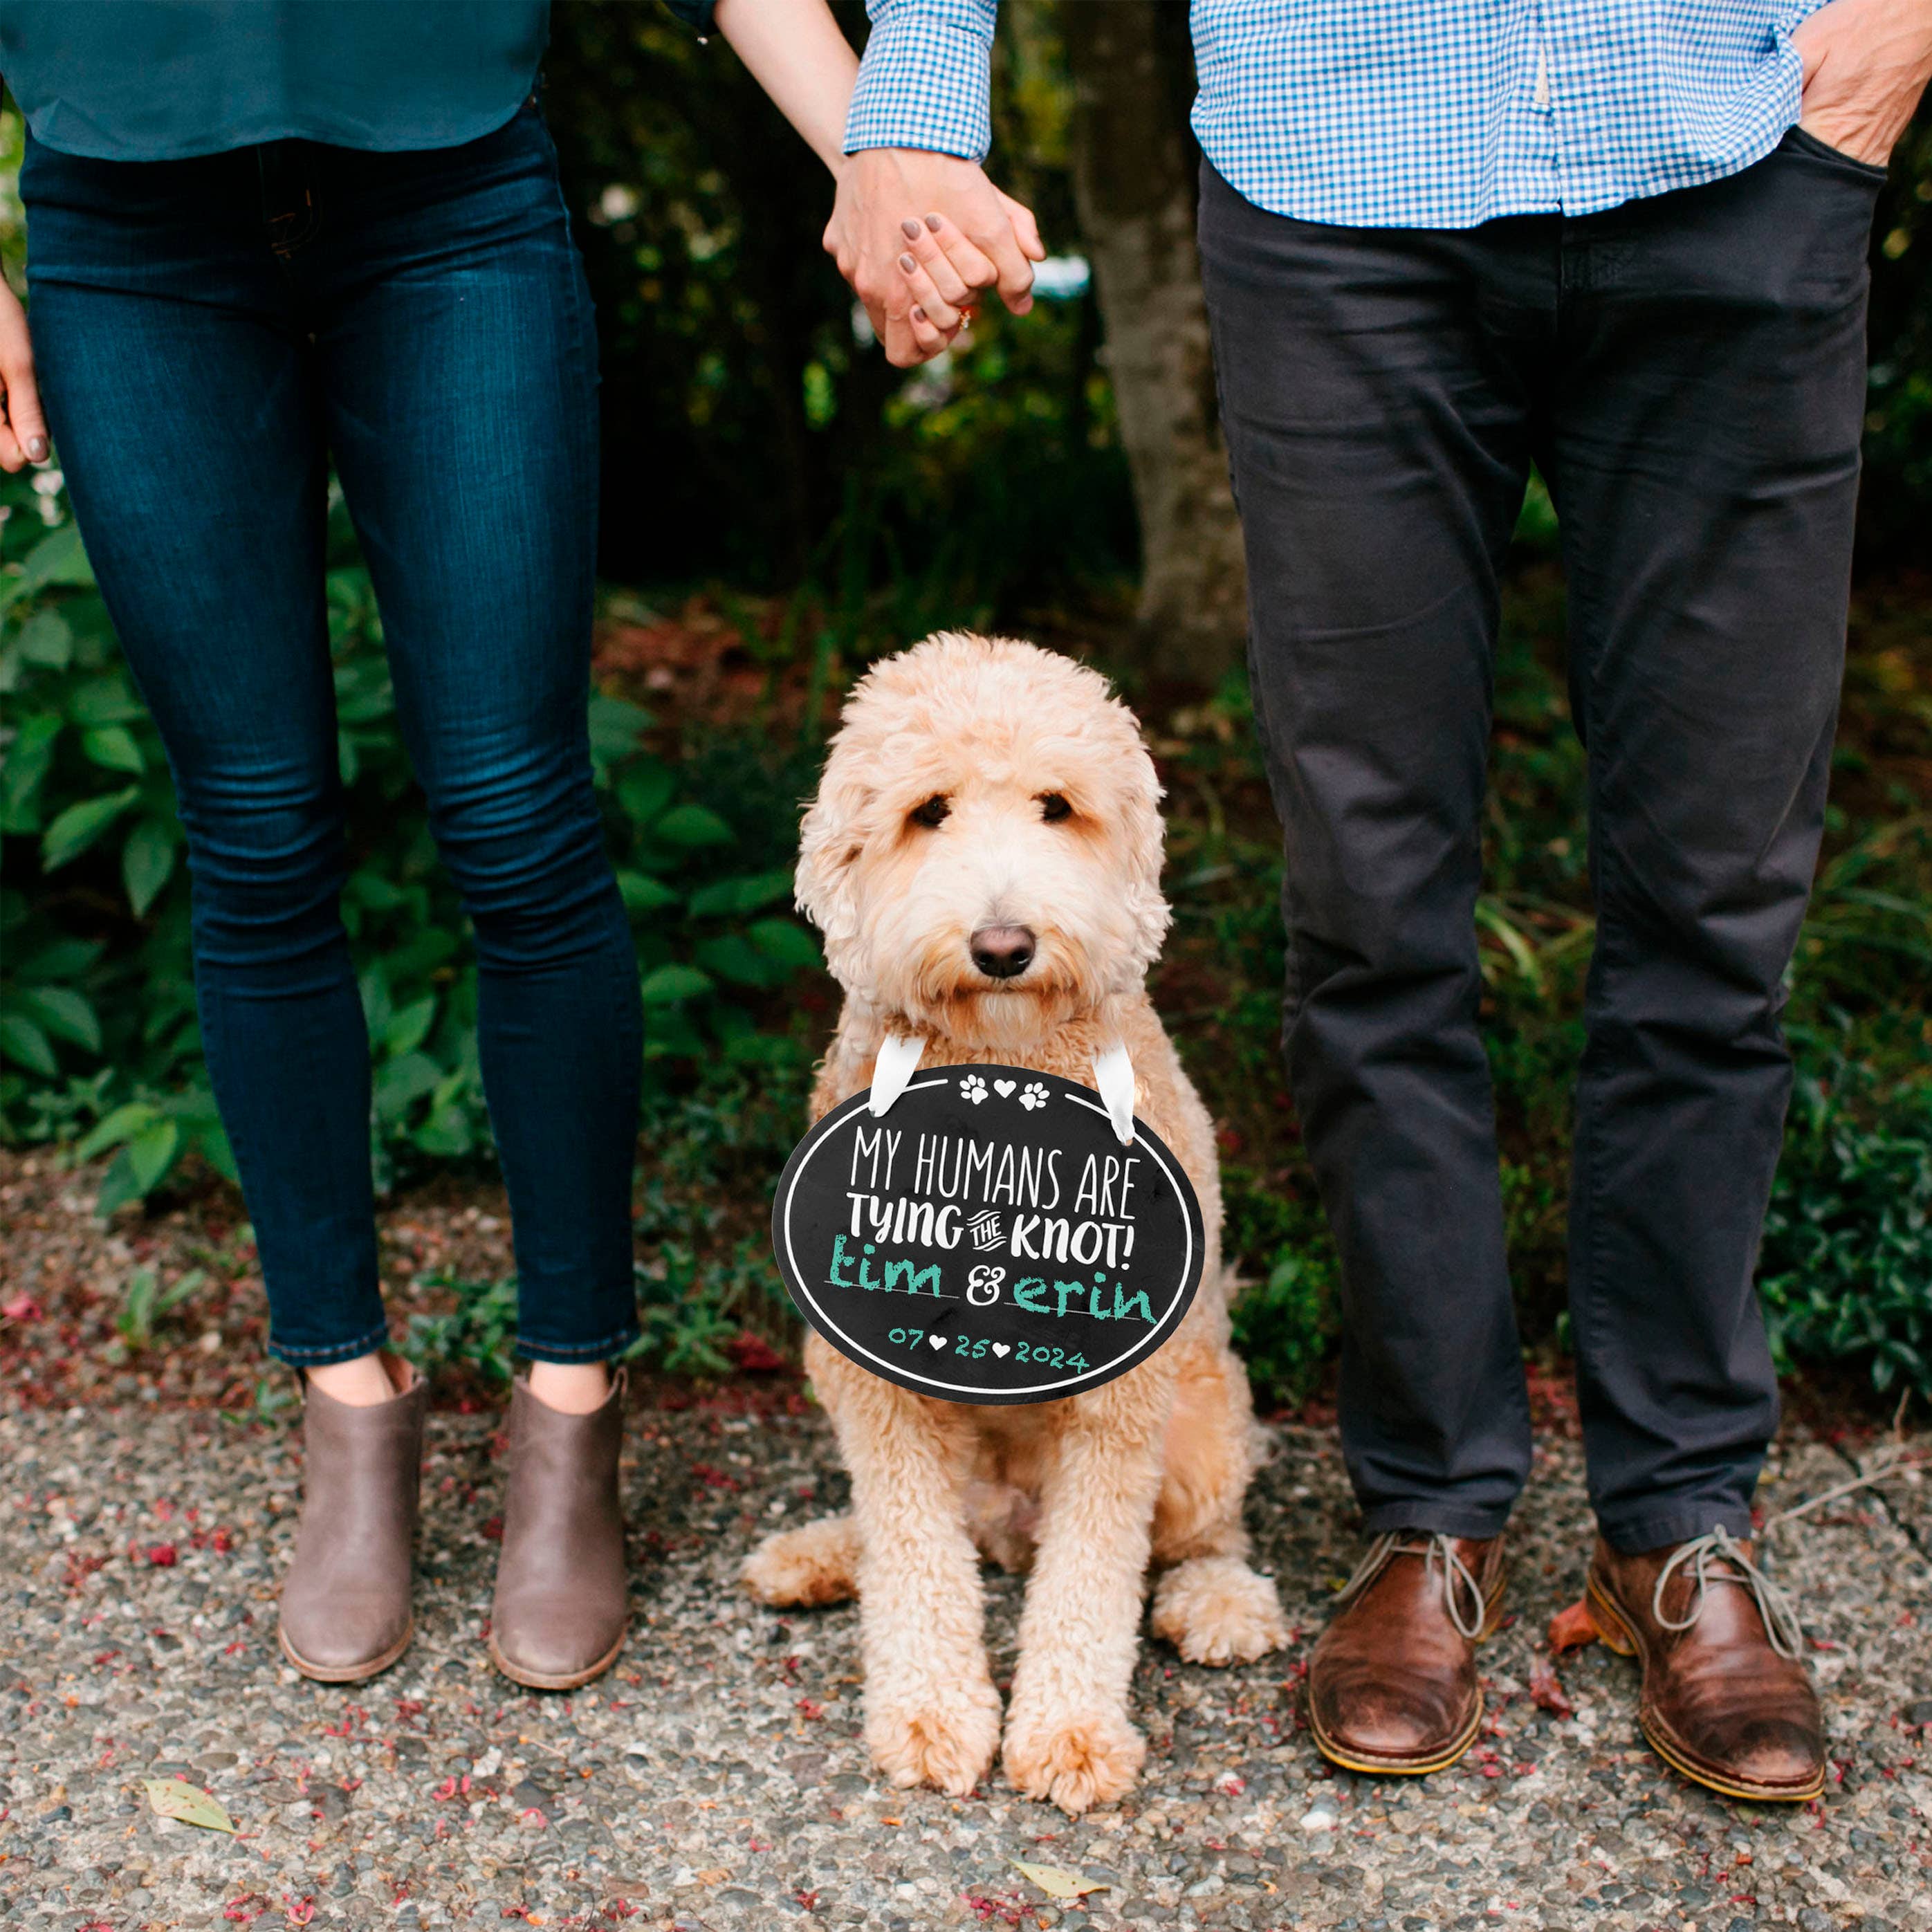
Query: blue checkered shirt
[{"x": 1407, "y": 113}]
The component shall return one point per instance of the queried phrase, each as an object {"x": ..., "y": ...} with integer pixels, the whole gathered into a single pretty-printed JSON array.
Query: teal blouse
[{"x": 145, "y": 80}]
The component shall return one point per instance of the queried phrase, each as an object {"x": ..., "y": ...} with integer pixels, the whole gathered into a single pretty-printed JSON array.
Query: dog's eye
[
  {"x": 932, "y": 812},
  {"x": 1053, "y": 807}
]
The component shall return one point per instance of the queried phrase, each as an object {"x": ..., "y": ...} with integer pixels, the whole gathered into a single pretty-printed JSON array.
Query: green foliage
[
  {"x": 1847, "y": 1262},
  {"x": 906, "y": 500},
  {"x": 710, "y": 1146},
  {"x": 1287, "y": 1322},
  {"x": 144, "y": 1301},
  {"x": 1846, "y": 1267},
  {"x": 99, "y": 1044}
]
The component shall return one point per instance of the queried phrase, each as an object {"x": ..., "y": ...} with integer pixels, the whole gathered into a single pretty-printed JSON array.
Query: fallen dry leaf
[
  {"x": 1058, "y": 1884},
  {"x": 1571, "y": 1629},
  {"x": 1545, "y": 1689},
  {"x": 171, "y": 1798}
]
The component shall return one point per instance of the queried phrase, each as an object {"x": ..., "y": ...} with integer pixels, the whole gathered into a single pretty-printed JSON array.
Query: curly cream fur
[{"x": 1088, "y": 1493}]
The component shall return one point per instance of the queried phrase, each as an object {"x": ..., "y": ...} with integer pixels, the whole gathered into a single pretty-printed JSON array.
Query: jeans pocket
[{"x": 1802, "y": 141}]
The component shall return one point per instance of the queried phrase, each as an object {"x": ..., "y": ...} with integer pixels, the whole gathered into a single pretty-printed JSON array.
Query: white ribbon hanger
[
  {"x": 1114, "y": 1074},
  {"x": 897, "y": 1062},
  {"x": 898, "y": 1059}
]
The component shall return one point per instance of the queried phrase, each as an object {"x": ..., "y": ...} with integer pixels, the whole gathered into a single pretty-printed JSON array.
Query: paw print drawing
[
  {"x": 973, "y": 1088},
  {"x": 1033, "y": 1095}
]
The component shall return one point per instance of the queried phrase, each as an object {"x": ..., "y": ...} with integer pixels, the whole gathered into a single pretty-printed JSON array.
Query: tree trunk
[{"x": 1134, "y": 163}]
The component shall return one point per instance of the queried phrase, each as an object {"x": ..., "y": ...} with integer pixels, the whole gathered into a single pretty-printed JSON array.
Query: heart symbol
[
  {"x": 938, "y": 1341},
  {"x": 1004, "y": 1088},
  {"x": 1000, "y": 1349}
]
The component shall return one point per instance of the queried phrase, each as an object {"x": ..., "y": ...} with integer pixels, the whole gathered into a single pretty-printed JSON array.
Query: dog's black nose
[{"x": 1002, "y": 952}]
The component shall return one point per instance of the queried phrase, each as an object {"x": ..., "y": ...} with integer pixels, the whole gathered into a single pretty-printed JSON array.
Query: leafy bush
[
  {"x": 99, "y": 1044},
  {"x": 1845, "y": 1271}
]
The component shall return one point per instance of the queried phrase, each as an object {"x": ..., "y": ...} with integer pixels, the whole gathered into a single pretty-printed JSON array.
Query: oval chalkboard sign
[{"x": 988, "y": 1238}]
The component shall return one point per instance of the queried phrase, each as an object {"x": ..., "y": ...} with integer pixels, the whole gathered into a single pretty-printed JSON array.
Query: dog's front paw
[
  {"x": 1215, "y": 1610},
  {"x": 1075, "y": 1759},
  {"x": 817, "y": 1563},
  {"x": 945, "y": 1737}
]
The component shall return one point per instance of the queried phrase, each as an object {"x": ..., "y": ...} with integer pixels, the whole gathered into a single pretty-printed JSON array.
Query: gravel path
[{"x": 715, "y": 1778}]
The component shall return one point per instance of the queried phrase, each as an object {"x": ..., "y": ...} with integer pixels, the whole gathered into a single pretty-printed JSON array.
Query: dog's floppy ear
[
  {"x": 829, "y": 843},
  {"x": 1144, "y": 836}
]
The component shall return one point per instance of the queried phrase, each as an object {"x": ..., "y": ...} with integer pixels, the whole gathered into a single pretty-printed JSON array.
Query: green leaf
[
  {"x": 642, "y": 894},
  {"x": 644, "y": 791},
  {"x": 615, "y": 724},
  {"x": 170, "y": 1798},
  {"x": 123, "y": 1124},
  {"x": 28, "y": 760},
  {"x": 748, "y": 894},
  {"x": 147, "y": 862},
  {"x": 692, "y": 825},
  {"x": 80, "y": 825},
  {"x": 733, "y": 959},
  {"x": 46, "y": 638},
  {"x": 59, "y": 558},
  {"x": 409, "y": 1028},
  {"x": 666, "y": 984},
  {"x": 400, "y": 1083},
  {"x": 212, "y": 1139},
  {"x": 64, "y": 1013},
  {"x": 113, "y": 746},
  {"x": 785, "y": 941},
  {"x": 446, "y": 1134},
  {"x": 105, "y": 699},
  {"x": 152, "y": 1151},
  {"x": 22, "y": 1042},
  {"x": 61, "y": 960}
]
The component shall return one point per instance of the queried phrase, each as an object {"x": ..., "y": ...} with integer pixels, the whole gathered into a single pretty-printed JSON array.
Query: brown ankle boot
[
  {"x": 345, "y": 1610},
  {"x": 1392, "y": 1685},
  {"x": 562, "y": 1598},
  {"x": 1725, "y": 1699}
]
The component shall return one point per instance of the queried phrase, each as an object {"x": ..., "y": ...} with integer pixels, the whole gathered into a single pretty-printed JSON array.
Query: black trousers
[{"x": 1688, "y": 373}]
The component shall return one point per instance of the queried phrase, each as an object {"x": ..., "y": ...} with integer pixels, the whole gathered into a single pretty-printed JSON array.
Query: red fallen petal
[
  {"x": 21, "y": 1307},
  {"x": 1546, "y": 1687},
  {"x": 753, "y": 1355},
  {"x": 162, "y": 1555},
  {"x": 1570, "y": 1629}
]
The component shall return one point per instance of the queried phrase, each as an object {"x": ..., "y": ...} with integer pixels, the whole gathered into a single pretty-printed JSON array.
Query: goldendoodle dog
[{"x": 984, "y": 859}]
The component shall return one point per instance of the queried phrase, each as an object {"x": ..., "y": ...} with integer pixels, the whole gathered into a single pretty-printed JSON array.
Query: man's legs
[
  {"x": 1704, "y": 461},
  {"x": 1703, "y": 454},
  {"x": 1375, "y": 388}
]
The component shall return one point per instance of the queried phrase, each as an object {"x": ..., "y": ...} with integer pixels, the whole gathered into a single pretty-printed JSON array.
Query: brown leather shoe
[
  {"x": 1392, "y": 1685},
  {"x": 562, "y": 1598},
  {"x": 1725, "y": 1698},
  {"x": 345, "y": 1610}
]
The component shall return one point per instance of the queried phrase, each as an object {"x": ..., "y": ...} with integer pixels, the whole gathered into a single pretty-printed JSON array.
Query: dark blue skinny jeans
[{"x": 210, "y": 332}]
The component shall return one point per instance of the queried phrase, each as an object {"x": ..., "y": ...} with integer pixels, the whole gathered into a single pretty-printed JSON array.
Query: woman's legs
[
  {"x": 458, "y": 357},
  {"x": 455, "y": 339},
  {"x": 181, "y": 388}
]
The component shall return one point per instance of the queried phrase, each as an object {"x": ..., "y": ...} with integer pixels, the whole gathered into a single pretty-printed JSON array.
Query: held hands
[
  {"x": 23, "y": 429},
  {"x": 920, "y": 237},
  {"x": 1866, "y": 63}
]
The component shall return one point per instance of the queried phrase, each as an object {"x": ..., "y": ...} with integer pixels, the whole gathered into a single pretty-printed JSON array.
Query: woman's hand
[
  {"x": 920, "y": 237},
  {"x": 23, "y": 429},
  {"x": 1866, "y": 63}
]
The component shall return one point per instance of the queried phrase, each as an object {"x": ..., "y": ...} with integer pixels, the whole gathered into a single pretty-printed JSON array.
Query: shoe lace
[
  {"x": 1459, "y": 1583},
  {"x": 1781, "y": 1620}
]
